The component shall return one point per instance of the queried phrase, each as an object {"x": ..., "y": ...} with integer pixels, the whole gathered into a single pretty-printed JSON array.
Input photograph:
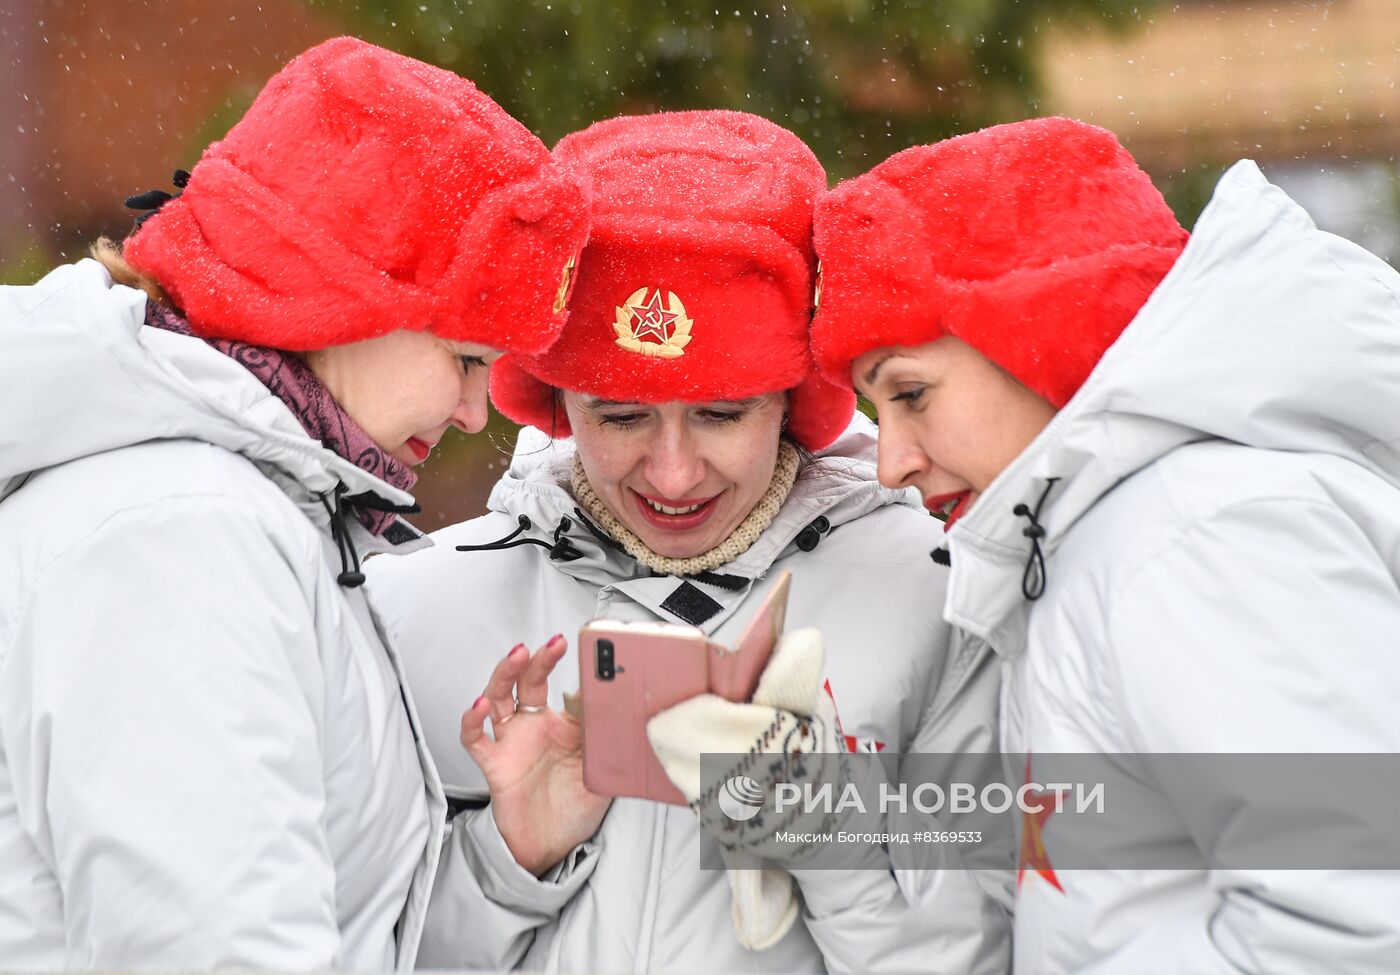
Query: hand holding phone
[
  {"x": 629, "y": 672},
  {"x": 533, "y": 763}
]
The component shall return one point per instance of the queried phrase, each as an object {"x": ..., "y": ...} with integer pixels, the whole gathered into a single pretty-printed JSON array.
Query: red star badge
[
  {"x": 652, "y": 319},
  {"x": 854, "y": 744},
  {"x": 1033, "y": 853}
]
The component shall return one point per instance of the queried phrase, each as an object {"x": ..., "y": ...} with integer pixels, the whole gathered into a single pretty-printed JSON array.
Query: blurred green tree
[{"x": 857, "y": 79}]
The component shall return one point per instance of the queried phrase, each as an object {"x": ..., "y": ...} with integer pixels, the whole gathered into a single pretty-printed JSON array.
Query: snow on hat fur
[
  {"x": 364, "y": 192},
  {"x": 1034, "y": 242},
  {"x": 701, "y": 226}
]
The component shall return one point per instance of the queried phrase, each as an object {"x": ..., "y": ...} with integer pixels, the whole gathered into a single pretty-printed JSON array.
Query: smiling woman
[
  {"x": 408, "y": 387},
  {"x": 984, "y": 419},
  {"x": 680, "y": 478},
  {"x": 682, "y": 456},
  {"x": 1173, "y": 470},
  {"x": 201, "y": 433}
]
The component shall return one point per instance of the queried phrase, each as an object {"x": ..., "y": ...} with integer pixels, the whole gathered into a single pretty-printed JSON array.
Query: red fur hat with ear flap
[
  {"x": 696, "y": 282},
  {"x": 364, "y": 192},
  {"x": 1035, "y": 242}
]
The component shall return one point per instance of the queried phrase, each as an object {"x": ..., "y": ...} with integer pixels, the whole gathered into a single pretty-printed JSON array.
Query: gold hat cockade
[
  {"x": 653, "y": 326},
  {"x": 561, "y": 297}
]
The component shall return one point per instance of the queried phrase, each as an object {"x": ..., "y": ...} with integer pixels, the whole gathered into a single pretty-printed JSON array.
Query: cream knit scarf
[{"x": 725, "y": 552}]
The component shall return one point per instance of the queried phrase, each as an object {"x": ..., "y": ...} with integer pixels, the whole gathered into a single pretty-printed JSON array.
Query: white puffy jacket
[
  {"x": 1223, "y": 565},
  {"x": 206, "y": 758},
  {"x": 634, "y": 898}
]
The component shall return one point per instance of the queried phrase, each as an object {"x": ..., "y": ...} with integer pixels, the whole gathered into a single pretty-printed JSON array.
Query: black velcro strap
[
  {"x": 689, "y": 603},
  {"x": 398, "y": 533},
  {"x": 456, "y": 805}
]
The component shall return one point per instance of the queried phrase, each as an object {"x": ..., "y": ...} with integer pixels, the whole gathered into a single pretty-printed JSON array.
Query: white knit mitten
[
  {"x": 764, "y": 906},
  {"x": 788, "y": 706}
]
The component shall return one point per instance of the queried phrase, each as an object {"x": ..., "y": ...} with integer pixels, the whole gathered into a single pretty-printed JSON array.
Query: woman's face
[
  {"x": 950, "y": 419},
  {"x": 680, "y": 476},
  {"x": 406, "y": 388}
]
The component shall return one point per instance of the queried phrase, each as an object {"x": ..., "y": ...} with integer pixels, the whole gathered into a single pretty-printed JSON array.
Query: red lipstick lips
[
  {"x": 940, "y": 503},
  {"x": 678, "y": 522}
]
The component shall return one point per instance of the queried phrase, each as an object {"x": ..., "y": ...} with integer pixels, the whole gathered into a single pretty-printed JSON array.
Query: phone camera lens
[{"x": 607, "y": 669}]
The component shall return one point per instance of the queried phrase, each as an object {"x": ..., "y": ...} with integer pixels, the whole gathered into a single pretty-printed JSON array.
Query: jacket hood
[
  {"x": 1266, "y": 332},
  {"x": 837, "y": 483},
  {"x": 82, "y": 375}
]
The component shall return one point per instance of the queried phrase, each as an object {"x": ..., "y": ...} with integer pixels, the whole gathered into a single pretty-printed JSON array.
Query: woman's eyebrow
[
  {"x": 741, "y": 403},
  {"x": 869, "y": 378}
]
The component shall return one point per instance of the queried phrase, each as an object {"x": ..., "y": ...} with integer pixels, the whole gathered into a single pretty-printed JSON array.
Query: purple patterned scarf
[{"x": 291, "y": 380}]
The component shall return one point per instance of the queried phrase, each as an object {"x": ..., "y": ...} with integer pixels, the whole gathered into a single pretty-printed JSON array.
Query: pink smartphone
[
  {"x": 629, "y": 672},
  {"x": 734, "y": 673}
]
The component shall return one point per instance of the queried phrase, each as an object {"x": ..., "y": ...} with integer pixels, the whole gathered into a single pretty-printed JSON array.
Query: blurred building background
[
  {"x": 1310, "y": 90},
  {"x": 103, "y": 98}
]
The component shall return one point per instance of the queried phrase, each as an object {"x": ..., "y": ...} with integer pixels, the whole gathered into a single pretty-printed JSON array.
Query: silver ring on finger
[{"x": 529, "y": 708}]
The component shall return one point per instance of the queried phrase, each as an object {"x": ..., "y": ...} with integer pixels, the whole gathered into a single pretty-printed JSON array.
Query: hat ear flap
[
  {"x": 818, "y": 411},
  {"x": 1049, "y": 326},
  {"x": 513, "y": 260},
  {"x": 521, "y": 397}
]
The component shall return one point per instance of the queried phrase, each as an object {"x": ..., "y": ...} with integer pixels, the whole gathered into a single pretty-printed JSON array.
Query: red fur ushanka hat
[
  {"x": 365, "y": 192},
  {"x": 696, "y": 283},
  {"x": 1035, "y": 242}
]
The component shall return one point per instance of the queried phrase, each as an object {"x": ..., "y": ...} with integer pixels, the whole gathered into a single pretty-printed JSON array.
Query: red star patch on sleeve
[
  {"x": 853, "y": 743},
  {"x": 1033, "y": 853}
]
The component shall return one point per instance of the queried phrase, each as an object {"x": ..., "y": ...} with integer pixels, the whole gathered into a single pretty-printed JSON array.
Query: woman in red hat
[
  {"x": 1171, "y": 472},
  {"x": 706, "y": 457},
  {"x": 208, "y": 757}
]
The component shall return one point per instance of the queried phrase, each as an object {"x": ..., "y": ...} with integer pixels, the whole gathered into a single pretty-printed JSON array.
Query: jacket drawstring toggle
[
  {"x": 1033, "y": 579},
  {"x": 809, "y": 537},
  {"x": 152, "y": 200},
  {"x": 350, "y": 575},
  {"x": 563, "y": 550}
]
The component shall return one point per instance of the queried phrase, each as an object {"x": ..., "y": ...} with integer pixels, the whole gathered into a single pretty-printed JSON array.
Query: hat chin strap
[{"x": 738, "y": 542}]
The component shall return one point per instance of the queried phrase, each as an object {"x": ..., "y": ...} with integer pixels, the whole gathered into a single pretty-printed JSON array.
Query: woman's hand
[{"x": 534, "y": 766}]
